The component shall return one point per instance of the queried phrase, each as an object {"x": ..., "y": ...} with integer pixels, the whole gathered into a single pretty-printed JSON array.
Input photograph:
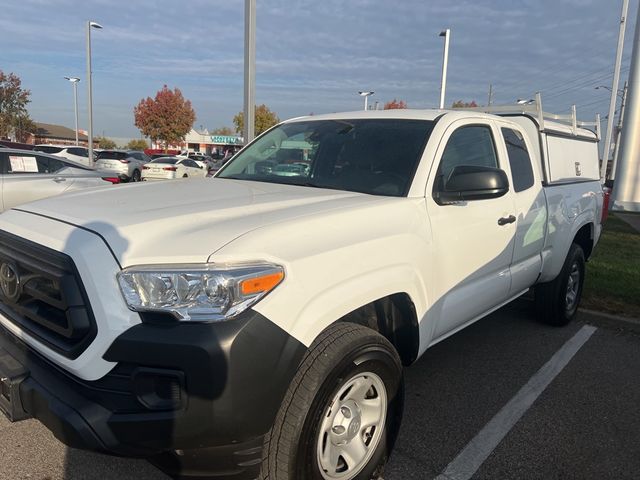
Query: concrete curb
[{"x": 607, "y": 320}]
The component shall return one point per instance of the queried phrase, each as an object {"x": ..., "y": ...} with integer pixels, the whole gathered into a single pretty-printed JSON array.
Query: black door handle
[{"x": 505, "y": 220}]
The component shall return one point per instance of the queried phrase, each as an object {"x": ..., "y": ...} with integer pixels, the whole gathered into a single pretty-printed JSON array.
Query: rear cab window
[{"x": 519, "y": 159}]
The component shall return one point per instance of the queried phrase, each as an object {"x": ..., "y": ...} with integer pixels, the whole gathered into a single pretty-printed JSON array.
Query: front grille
[{"x": 41, "y": 292}]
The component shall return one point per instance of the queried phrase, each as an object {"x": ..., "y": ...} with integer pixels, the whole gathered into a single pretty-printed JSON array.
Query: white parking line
[{"x": 480, "y": 447}]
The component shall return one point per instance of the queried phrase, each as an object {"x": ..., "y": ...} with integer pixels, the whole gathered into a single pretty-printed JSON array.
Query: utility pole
[
  {"x": 614, "y": 90},
  {"x": 616, "y": 150},
  {"x": 626, "y": 191},
  {"x": 490, "y": 95},
  {"x": 249, "y": 70}
]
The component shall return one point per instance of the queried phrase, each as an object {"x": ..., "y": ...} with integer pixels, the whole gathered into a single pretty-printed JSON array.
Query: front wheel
[
  {"x": 557, "y": 301},
  {"x": 341, "y": 414},
  {"x": 136, "y": 176}
]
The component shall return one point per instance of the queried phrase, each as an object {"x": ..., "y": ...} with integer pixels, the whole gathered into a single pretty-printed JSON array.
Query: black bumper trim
[{"x": 236, "y": 374}]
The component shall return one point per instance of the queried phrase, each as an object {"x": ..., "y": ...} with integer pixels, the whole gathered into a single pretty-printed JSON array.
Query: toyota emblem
[{"x": 10, "y": 282}]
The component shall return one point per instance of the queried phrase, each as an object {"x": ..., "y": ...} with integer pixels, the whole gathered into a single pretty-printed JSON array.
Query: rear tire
[
  {"x": 557, "y": 301},
  {"x": 185, "y": 176},
  {"x": 341, "y": 414}
]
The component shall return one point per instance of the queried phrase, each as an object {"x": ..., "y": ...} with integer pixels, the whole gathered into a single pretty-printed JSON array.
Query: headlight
[{"x": 201, "y": 292}]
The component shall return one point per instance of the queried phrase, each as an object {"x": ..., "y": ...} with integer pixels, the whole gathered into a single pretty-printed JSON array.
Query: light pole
[
  {"x": 74, "y": 81},
  {"x": 366, "y": 96},
  {"x": 605, "y": 157},
  {"x": 616, "y": 149},
  {"x": 445, "y": 60},
  {"x": 90, "y": 25},
  {"x": 249, "y": 70},
  {"x": 614, "y": 89},
  {"x": 626, "y": 194}
]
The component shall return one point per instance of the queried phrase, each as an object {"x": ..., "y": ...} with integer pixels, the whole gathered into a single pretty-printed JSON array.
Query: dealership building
[{"x": 203, "y": 141}]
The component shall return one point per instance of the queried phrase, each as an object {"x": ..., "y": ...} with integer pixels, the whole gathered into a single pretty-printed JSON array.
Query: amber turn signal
[{"x": 261, "y": 284}]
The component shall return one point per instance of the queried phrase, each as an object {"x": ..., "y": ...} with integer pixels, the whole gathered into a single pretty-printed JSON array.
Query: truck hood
[{"x": 185, "y": 221}]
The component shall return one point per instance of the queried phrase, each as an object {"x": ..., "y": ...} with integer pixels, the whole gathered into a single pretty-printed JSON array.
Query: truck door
[
  {"x": 472, "y": 240},
  {"x": 531, "y": 211}
]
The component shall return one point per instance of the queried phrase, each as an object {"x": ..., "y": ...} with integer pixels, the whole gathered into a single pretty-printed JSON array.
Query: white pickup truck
[{"x": 255, "y": 324}]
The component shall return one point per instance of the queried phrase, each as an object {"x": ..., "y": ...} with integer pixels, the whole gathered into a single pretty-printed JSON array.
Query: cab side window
[
  {"x": 81, "y": 152},
  {"x": 469, "y": 146},
  {"x": 519, "y": 159},
  {"x": 49, "y": 165}
]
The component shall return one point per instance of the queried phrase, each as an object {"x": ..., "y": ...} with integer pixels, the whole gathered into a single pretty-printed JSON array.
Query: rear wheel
[
  {"x": 557, "y": 301},
  {"x": 341, "y": 414},
  {"x": 185, "y": 175}
]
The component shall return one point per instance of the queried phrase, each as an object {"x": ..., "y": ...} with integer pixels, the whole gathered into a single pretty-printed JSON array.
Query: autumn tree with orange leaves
[
  {"x": 395, "y": 105},
  {"x": 167, "y": 118}
]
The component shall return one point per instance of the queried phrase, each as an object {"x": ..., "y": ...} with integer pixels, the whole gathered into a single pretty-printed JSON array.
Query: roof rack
[{"x": 535, "y": 109}]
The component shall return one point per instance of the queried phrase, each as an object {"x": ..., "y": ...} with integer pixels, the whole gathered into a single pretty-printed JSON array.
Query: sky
[{"x": 313, "y": 56}]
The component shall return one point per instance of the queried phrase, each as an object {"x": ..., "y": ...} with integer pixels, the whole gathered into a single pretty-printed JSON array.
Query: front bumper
[{"x": 232, "y": 378}]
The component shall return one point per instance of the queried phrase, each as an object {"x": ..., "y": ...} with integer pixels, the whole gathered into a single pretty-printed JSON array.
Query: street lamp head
[
  {"x": 95, "y": 25},
  {"x": 365, "y": 94},
  {"x": 444, "y": 33},
  {"x": 620, "y": 91},
  {"x": 73, "y": 79}
]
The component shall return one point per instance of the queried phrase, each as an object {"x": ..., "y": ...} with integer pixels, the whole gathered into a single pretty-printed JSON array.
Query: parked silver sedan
[{"x": 27, "y": 175}]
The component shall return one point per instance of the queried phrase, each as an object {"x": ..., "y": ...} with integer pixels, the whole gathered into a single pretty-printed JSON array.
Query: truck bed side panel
[{"x": 571, "y": 207}]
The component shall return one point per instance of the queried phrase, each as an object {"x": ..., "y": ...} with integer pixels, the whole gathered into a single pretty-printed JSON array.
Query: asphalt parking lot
[{"x": 507, "y": 398}]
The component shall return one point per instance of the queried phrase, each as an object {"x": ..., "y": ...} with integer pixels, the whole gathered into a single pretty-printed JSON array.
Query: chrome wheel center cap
[{"x": 346, "y": 423}]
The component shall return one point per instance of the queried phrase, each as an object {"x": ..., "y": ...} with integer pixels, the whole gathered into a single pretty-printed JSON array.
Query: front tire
[
  {"x": 557, "y": 301},
  {"x": 136, "y": 176},
  {"x": 342, "y": 411}
]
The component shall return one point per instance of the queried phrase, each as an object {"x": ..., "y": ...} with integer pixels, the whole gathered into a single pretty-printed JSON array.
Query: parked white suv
[
  {"x": 75, "y": 153},
  {"x": 124, "y": 164}
]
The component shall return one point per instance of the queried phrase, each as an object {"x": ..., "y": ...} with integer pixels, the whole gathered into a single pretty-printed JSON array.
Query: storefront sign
[{"x": 226, "y": 140}]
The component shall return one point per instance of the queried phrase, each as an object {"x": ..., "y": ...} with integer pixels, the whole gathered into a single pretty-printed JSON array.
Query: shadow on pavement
[{"x": 82, "y": 465}]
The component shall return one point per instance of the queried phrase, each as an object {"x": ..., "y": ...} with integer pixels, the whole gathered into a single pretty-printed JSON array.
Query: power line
[{"x": 587, "y": 83}]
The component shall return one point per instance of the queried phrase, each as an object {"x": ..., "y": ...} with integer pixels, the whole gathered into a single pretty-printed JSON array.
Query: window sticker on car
[{"x": 23, "y": 164}]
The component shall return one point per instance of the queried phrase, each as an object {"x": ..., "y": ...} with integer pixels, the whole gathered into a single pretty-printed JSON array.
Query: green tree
[
  {"x": 167, "y": 118},
  {"x": 14, "y": 118},
  {"x": 137, "y": 144},
  {"x": 105, "y": 143},
  {"x": 222, "y": 131},
  {"x": 395, "y": 105},
  {"x": 461, "y": 104},
  {"x": 265, "y": 119}
]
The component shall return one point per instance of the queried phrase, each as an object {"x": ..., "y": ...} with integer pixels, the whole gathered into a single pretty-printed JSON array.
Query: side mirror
[{"x": 467, "y": 182}]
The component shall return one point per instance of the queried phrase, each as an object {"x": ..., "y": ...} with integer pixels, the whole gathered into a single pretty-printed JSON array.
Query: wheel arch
[
  {"x": 584, "y": 238},
  {"x": 394, "y": 317}
]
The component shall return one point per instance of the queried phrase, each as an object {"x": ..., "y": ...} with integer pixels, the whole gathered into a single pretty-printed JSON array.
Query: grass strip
[{"x": 612, "y": 282}]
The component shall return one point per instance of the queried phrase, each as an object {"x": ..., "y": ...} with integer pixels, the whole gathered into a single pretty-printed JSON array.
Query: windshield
[
  {"x": 374, "y": 156},
  {"x": 47, "y": 149},
  {"x": 111, "y": 155},
  {"x": 169, "y": 160}
]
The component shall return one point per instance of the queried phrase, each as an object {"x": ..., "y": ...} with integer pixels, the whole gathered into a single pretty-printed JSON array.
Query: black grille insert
[{"x": 41, "y": 292}]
